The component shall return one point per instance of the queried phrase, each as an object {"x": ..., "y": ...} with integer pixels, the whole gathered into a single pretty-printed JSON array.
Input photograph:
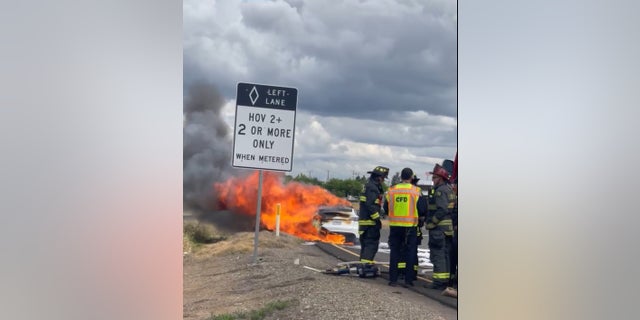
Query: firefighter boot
[{"x": 436, "y": 285}]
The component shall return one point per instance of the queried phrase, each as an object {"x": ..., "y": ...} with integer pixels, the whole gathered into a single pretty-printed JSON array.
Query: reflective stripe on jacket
[
  {"x": 440, "y": 200},
  {"x": 369, "y": 210},
  {"x": 403, "y": 199}
]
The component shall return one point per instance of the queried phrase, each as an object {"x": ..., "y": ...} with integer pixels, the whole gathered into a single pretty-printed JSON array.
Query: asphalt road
[
  {"x": 384, "y": 238},
  {"x": 352, "y": 253}
]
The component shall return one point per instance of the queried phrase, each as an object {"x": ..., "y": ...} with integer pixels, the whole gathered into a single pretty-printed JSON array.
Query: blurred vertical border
[
  {"x": 91, "y": 166},
  {"x": 547, "y": 95}
]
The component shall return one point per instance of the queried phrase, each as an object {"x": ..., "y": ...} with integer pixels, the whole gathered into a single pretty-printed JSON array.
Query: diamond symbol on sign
[{"x": 253, "y": 93}]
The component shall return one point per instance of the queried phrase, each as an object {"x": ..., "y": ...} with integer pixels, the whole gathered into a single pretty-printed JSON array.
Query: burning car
[{"x": 341, "y": 220}]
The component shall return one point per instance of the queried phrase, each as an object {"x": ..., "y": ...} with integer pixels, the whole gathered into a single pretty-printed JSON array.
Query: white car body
[{"x": 338, "y": 220}]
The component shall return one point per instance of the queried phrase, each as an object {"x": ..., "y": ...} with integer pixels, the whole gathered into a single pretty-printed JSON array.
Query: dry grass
[
  {"x": 244, "y": 242},
  {"x": 259, "y": 314},
  {"x": 241, "y": 242},
  {"x": 187, "y": 245},
  {"x": 195, "y": 235}
]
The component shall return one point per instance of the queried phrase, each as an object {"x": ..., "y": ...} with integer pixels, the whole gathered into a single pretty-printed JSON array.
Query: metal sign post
[
  {"x": 255, "y": 238},
  {"x": 277, "y": 220}
]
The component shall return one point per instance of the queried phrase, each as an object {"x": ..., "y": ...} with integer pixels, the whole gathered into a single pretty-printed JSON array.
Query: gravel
[{"x": 228, "y": 282}]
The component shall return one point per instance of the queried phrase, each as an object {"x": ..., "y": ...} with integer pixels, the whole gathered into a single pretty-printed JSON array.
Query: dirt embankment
[{"x": 221, "y": 278}]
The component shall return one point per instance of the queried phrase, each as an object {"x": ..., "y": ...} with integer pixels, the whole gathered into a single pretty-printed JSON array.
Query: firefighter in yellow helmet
[
  {"x": 440, "y": 227},
  {"x": 401, "y": 206},
  {"x": 369, "y": 214}
]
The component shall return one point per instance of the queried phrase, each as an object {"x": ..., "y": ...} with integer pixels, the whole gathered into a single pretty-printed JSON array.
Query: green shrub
[
  {"x": 256, "y": 314},
  {"x": 198, "y": 233}
]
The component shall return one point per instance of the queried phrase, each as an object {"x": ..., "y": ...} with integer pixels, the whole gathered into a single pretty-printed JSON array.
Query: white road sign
[{"x": 264, "y": 127}]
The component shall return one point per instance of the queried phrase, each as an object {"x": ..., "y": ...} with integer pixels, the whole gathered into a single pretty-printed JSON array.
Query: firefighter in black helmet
[{"x": 369, "y": 215}]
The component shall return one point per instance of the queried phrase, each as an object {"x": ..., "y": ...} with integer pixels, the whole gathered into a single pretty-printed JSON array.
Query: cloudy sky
[{"x": 376, "y": 79}]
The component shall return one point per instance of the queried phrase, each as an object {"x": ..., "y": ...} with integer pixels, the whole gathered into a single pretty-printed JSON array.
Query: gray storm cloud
[{"x": 391, "y": 68}]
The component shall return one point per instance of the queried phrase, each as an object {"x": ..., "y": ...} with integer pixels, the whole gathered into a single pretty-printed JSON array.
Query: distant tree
[
  {"x": 353, "y": 187},
  {"x": 343, "y": 188},
  {"x": 335, "y": 186},
  {"x": 338, "y": 187},
  {"x": 302, "y": 178}
]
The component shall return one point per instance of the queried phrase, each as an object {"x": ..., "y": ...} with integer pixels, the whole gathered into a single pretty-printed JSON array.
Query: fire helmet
[
  {"x": 441, "y": 172},
  {"x": 379, "y": 171}
]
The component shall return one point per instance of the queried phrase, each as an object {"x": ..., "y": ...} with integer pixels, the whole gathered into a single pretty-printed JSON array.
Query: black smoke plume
[{"x": 207, "y": 141}]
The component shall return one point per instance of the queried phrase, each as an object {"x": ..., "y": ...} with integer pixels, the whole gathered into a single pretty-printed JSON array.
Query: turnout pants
[
  {"x": 403, "y": 264},
  {"x": 369, "y": 241},
  {"x": 453, "y": 261},
  {"x": 439, "y": 245},
  {"x": 403, "y": 244}
]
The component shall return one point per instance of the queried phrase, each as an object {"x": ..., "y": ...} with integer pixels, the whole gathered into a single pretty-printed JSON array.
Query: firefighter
[
  {"x": 422, "y": 213},
  {"x": 440, "y": 227},
  {"x": 453, "y": 252},
  {"x": 401, "y": 206},
  {"x": 369, "y": 214}
]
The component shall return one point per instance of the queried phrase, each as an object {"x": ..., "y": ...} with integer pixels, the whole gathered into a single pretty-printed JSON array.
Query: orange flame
[{"x": 298, "y": 203}]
